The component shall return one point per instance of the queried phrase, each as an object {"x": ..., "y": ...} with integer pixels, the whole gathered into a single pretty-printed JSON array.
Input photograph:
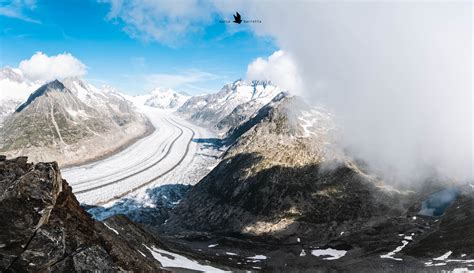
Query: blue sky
[{"x": 117, "y": 53}]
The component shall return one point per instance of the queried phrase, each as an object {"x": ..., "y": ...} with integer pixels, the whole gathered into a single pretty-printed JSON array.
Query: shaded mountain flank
[
  {"x": 283, "y": 191},
  {"x": 70, "y": 123},
  {"x": 273, "y": 177}
]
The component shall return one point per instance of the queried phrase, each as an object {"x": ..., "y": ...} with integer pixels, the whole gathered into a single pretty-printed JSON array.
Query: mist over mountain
[
  {"x": 14, "y": 89},
  {"x": 285, "y": 181},
  {"x": 399, "y": 88}
]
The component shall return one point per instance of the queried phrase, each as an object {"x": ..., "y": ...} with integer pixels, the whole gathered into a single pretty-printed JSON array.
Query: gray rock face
[
  {"x": 238, "y": 116},
  {"x": 44, "y": 228}
]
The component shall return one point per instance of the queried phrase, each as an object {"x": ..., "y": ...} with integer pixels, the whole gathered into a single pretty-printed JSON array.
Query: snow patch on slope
[
  {"x": 170, "y": 259},
  {"x": 333, "y": 254},
  {"x": 395, "y": 251},
  {"x": 316, "y": 122},
  {"x": 114, "y": 230}
]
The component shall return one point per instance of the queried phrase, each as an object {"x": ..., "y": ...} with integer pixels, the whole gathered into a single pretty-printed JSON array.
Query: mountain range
[
  {"x": 232, "y": 105},
  {"x": 160, "y": 98},
  {"x": 284, "y": 196}
]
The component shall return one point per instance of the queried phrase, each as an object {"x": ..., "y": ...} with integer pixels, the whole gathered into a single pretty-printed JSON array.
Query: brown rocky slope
[
  {"x": 283, "y": 192},
  {"x": 274, "y": 181},
  {"x": 44, "y": 229}
]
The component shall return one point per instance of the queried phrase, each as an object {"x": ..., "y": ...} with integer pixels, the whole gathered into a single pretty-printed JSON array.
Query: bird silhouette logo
[{"x": 237, "y": 18}]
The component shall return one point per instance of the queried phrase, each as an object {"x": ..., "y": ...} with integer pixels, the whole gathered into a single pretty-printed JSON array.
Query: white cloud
[
  {"x": 41, "y": 67},
  {"x": 398, "y": 75},
  {"x": 169, "y": 22},
  {"x": 278, "y": 68},
  {"x": 18, "y": 9}
]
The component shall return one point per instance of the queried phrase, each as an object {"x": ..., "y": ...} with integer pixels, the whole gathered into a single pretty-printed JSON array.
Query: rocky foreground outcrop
[{"x": 44, "y": 229}]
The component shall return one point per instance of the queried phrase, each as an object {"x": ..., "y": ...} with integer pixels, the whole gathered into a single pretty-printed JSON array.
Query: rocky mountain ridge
[{"x": 217, "y": 110}]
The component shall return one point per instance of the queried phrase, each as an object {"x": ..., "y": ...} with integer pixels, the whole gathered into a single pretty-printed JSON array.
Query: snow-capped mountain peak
[
  {"x": 166, "y": 98},
  {"x": 254, "y": 90},
  {"x": 87, "y": 93},
  {"x": 12, "y": 74},
  {"x": 241, "y": 97},
  {"x": 54, "y": 85}
]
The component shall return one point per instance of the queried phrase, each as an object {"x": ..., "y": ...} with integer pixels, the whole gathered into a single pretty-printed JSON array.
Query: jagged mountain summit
[
  {"x": 106, "y": 98},
  {"x": 54, "y": 85},
  {"x": 220, "y": 110},
  {"x": 70, "y": 122}
]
